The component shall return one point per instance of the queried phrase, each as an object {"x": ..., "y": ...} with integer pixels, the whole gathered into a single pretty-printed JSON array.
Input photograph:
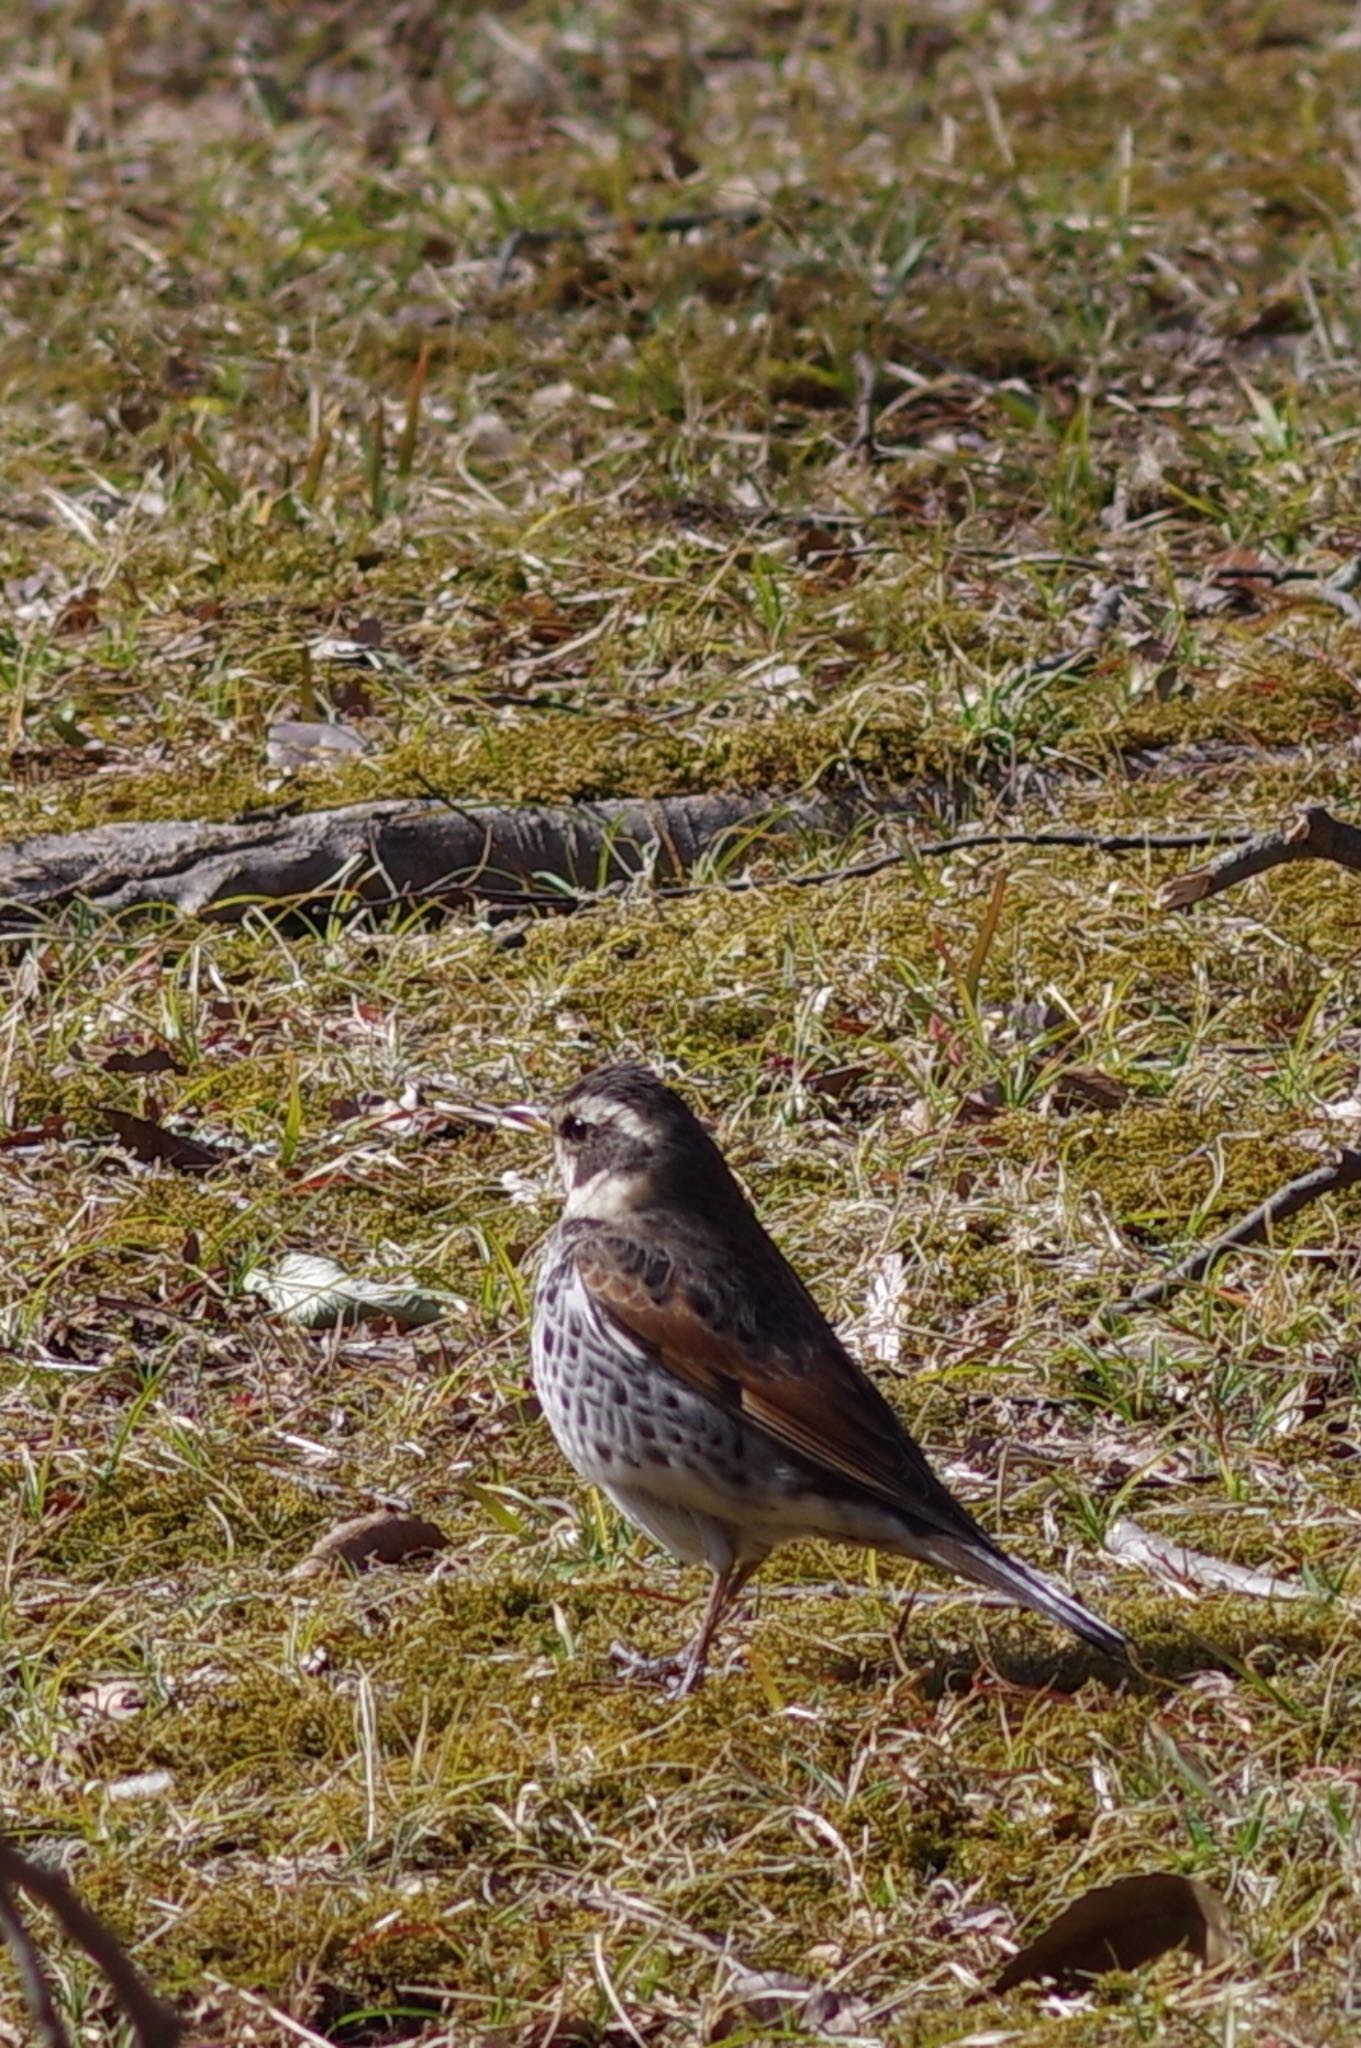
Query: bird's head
[{"x": 624, "y": 1142}]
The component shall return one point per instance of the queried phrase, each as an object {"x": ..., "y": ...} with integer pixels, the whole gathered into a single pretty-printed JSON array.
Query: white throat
[{"x": 607, "y": 1197}]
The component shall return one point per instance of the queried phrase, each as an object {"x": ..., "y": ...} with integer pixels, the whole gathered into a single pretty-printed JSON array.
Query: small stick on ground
[
  {"x": 153, "y": 2025},
  {"x": 936, "y": 849},
  {"x": 640, "y": 224},
  {"x": 1342, "y": 1171},
  {"x": 1102, "y": 617},
  {"x": 866, "y": 379},
  {"x": 28, "y": 1968},
  {"x": 1302, "y": 584},
  {"x": 1313, "y": 834}
]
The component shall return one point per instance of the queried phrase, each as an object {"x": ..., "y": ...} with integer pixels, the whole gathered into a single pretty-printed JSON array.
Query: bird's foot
[{"x": 677, "y": 1674}]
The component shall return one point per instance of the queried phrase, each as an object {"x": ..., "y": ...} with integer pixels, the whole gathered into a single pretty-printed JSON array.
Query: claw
[
  {"x": 675, "y": 1674},
  {"x": 683, "y": 1671}
]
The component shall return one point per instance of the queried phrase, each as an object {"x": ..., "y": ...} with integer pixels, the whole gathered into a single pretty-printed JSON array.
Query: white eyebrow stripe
[{"x": 618, "y": 1115}]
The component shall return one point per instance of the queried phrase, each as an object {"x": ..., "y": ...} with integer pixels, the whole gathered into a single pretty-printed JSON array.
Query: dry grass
[{"x": 594, "y": 510}]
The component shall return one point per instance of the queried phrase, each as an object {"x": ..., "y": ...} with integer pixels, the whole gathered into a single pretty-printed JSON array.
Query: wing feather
[{"x": 802, "y": 1388}]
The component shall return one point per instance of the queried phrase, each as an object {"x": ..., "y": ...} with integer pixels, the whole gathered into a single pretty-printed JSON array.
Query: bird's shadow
[{"x": 1242, "y": 1647}]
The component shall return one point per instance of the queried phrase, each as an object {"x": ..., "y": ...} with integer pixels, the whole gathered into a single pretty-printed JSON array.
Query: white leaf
[
  {"x": 310, "y": 1289},
  {"x": 1190, "y": 1570}
]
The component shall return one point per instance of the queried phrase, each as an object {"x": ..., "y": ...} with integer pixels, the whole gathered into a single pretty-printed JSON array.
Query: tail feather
[{"x": 988, "y": 1566}]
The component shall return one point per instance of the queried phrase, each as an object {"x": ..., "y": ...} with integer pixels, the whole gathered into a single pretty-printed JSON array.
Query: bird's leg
[
  {"x": 683, "y": 1671},
  {"x": 725, "y": 1589},
  {"x": 900, "y": 1628}
]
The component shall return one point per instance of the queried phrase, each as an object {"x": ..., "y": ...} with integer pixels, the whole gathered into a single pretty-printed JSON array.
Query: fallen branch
[
  {"x": 406, "y": 852},
  {"x": 1342, "y": 1171},
  {"x": 1313, "y": 834},
  {"x": 153, "y": 2025},
  {"x": 386, "y": 853}
]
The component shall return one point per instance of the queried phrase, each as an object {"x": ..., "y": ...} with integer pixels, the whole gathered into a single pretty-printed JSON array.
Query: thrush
[{"x": 686, "y": 1371}]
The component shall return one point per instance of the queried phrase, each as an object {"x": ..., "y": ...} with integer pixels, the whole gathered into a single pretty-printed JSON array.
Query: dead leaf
[
  {"x": 981, "y": 1105},
  {"x": 1121, "y": 1926},
  {"x": 350, "y": 695},
  {"x": 310, "y": 743},
  {"x": 155, "y": 1060},
  {"x": 834, "y": 1084},
  {"x": 782, "y": 2001},
  {"x": 141, "y": 1785},
  {"x": 154, "y": 1145},
  {"x": 314, "y": 1291},
  {"x": 110, "y": 1699},
  {"x": 1189, "y": 1570},
  {"x": 1240, "y": 580},
  {"x": 26, "y": 1136},
  {"x": 367, "y": 1540},
  {"x": 79, "y": 614},
  {"x": 342, "y": 647},
  {"x": 1153, "y": 668},
  {"x": 1078, "y": 1088}
]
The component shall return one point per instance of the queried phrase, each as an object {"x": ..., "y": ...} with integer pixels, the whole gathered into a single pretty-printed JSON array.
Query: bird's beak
[{"x": 516, "y": 1116}]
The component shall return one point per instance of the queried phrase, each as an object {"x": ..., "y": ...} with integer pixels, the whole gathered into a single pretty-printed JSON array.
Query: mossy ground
[{"x": 593, "y": 509}]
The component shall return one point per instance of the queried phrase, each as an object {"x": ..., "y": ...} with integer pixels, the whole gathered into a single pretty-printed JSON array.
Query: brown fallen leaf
[
  {"x": 1238, "y": 580},
  {"x": 1079, "y": 1088},
  {"x": 1188, "y": 1569},
  {"x": 24, "y": 1137},
  {"x": 154, "y": 1145},
  {"x": 367, "y": 1540},
  {"x": 155, "y": 1060},
  {"x": 833, "y": 1084},
  {"x": 981, "y": 1105},
  {"x": 1121, "y": 1926},
  {"x": 79, "y": 614}
]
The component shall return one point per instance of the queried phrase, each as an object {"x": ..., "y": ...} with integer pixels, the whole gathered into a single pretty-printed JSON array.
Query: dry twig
[
  {"x": 1343, "y": 1171},
  {"x": 1313, "y": 834},
  {"x": 1101, "y": 620},
  {"x": 153, "y": 2025},
  {"x": 863, "y": 443},
  {"x": 662, "y": 224},
  {"x": 29, "y": 1970}
]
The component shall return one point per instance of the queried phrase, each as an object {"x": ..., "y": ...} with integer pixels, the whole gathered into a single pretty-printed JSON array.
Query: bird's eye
[{"x": 575, "y": 1129}]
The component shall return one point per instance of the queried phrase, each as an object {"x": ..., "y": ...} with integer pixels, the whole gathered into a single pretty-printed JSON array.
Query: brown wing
[{"x": 771, "y": 1357}]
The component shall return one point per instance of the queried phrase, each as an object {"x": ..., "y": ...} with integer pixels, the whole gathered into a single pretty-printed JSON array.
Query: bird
[{"x": 686, "y": 1371}]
